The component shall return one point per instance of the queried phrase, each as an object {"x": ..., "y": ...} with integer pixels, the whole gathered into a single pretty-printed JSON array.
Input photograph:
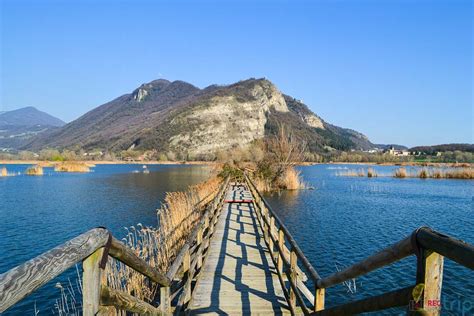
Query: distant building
[{"x": 395, "y": 152}]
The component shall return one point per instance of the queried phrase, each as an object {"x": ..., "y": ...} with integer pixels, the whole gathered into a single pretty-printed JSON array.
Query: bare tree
[{"x": 286, "y": 149}]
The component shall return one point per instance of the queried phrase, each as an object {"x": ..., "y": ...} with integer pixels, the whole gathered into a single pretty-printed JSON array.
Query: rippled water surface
[
  {"x": 346, "y": 219},
  {"x": 342, "y": 221},
  {"x": 39, "y": 213}
]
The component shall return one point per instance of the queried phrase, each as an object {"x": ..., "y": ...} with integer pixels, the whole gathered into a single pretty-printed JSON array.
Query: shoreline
[
  {"x": 109, "y": 162},
  {"x": 211, "y": 163}
]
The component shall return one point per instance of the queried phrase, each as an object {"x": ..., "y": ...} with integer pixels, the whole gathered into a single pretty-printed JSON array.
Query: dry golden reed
[
  {"x": 423, "y": 173},
  {"x": 34, "y": 171},
  {"x": 291, "y": 180},
  {"x": 371, "y": 173},
  {"x": 72, "y": 167},
  {"x": 352, "y": 173},
  {"x": 400, "y": 173},
  {"x": 177, "y": 217}
]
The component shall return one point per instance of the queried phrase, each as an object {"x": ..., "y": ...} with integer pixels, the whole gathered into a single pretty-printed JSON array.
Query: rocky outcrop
[{"x": 227, "y": 121}]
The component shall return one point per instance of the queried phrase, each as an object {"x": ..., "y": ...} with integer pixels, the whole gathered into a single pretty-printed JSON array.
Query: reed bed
[
  {"x": 423, "y": 173},
  {"x": 291, "y": 180},
  {"x": 177, "y": 217},
  {"x": 262, "y": 185},
  {"x": 352, "y": 173},
  {"x": 371, "y": 173},
  {"x": 34, "y": 171},
  {"x": 72, "y": 167},
  {"x": 400, "y": 173}
]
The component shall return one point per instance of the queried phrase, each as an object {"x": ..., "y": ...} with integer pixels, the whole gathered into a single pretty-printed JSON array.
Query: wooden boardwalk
[{"x": 238, "y": 275}]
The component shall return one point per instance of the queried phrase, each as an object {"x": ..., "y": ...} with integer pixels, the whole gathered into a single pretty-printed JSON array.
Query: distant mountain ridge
[
  {"x": 181, "y": 118},
  {"x": 18, "y": 127},
  {"x": 444, "y": 147}
]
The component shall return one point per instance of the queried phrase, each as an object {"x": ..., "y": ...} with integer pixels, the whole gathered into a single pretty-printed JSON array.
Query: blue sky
[{"x": 398, "y": 71}]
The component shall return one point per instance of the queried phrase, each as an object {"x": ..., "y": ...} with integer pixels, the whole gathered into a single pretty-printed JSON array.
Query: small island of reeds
[
  {"x": 422, "y": 173},
  {"x": 34, "y": 171},
  {"x": 72, "y": 166}
]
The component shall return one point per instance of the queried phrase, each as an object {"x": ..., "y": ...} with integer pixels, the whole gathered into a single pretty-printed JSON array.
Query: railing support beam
[
  {"x": 91, "y": 279},
  {"x": 319, "y": 298},
  {"x": 430, "y": 272}
]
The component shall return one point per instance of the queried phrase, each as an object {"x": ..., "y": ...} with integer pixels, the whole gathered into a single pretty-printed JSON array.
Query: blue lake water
[
  {"x": 346, "y": 219},
  {"x": 40, "y": 212},
  {"x": 342, "y": 221}
]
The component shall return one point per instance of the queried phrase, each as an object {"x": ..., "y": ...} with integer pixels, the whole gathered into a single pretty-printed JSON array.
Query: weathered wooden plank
[
  {"x": 433, "y": 280},
  {"x": 449, "y": 247},
  {"x": 21, "y": 281},
  {"x": 127, "y": 302},
  {"x": 395, "y": 298},
  {"x": 165, "y": 300},
  {"x": 91, "y": 278},
  {"x": 238, "y": 276}
]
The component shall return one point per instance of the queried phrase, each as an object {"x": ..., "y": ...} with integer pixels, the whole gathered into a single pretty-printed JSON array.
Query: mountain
[
  {"x": 179, "y": 117},
  {"x": 18, "y": 127}
]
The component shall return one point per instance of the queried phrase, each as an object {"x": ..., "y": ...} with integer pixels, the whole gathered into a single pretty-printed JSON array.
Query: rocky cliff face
[
  {"x": 178, "y": 117},
  {"x": 226, "y": 121}
]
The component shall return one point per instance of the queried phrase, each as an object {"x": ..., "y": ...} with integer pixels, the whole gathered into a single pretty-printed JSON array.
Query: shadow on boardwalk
[{"x": 238, "y": 276}]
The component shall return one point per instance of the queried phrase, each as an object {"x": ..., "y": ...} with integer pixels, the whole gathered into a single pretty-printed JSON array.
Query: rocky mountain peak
[{"x": 180, "y": 118}]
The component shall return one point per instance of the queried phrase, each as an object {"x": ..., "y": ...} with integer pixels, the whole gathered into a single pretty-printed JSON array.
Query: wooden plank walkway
[{"x": 238, "y": 276}]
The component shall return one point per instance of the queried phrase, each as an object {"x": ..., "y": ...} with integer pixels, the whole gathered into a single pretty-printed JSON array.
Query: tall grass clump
[
  {"x": 3, "y": 172},
  {"x": 423, "y": 174},
  {"x": 181, "y": 211},
  {"x": 460, "y": 173},
  {"x": 178, "y": 215},
  {"x": 353, "y": 173},
  {"x": 72, "y": 167},
  {"x": 291, "y": 180},
  {"x": 145, "y": 242},
  {"x": 34, "y": 171},
  {"x": 400, "y": 173},
  {"x": 371, "y": 173}
]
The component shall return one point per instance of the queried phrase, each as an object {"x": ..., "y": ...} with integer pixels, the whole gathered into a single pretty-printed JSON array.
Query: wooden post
[
  {"x": 281, "y": 242},
  {"x": 319, "y": 299},
  {"x": 91, "y": 278},
  {"x": 432, "y": 276},
  {"x": 270, "y": 241},
  {"x": 206, "y": 222},
  {"x": 165, "y": 300},
  {"x": 199, "y": 251},
  {"x": 265, "y": 227},
  {"x": 293, "y": 276},
  {"x": 187, "y": 271}
]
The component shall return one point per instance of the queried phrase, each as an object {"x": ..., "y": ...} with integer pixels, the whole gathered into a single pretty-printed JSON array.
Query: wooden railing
[
  {"x": 93, "y": 249},
  {"x": 430, "y": 248}
]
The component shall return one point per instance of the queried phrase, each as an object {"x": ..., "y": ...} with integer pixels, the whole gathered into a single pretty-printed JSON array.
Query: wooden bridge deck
[{"x": 238, "y": 275}]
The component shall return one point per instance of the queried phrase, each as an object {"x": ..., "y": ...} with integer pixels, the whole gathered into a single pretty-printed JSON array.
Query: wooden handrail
[
  {"x": 391, "y": 299},
  {"x": 22, "y": 280},
  {"x": 452, "y": 248},
  {"x": 125, "y": 301},
  {"x": 385, "y": 257},
  {"x": 312, "y": 272}
]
